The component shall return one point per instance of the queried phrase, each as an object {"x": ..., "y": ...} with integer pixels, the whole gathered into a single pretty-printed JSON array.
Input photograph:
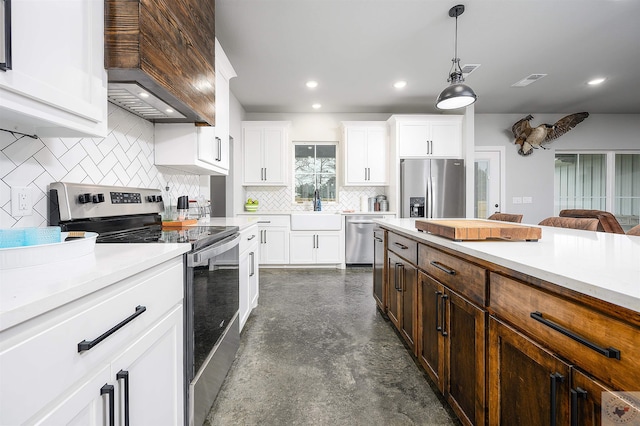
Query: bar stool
[{"x": 571, "y": 222}]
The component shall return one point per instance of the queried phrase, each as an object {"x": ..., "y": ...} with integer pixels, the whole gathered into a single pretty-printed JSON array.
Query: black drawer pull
[
  {"x": 608, "y": 352},
  {"x": 108, "y": 389},
  {"x": 85, "y": 345},
  {"x": 442, "y": 267},
  {"x": 438, "y": 294},
  {"x": 124, "y": 375},
  {"x": 575, "y": 394},
  {"x": 251, "y": 237},
  {"x": 555, "y": 379},
  {"x": 402, "y": 246}
]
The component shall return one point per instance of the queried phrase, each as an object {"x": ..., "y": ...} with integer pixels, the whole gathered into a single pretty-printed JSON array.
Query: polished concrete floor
[{"x": 317, "y": 352}]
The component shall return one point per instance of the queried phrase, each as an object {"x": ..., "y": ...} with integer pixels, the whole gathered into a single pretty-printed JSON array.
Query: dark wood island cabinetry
[{"x": 505, "y": 347}]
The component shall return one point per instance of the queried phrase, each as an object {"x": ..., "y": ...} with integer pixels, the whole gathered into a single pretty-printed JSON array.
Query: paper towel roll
[{"x": 364, "y": 203}]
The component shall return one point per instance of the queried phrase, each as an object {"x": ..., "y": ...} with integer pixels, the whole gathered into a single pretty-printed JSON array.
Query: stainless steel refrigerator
[{"x": 432, "y": 188}]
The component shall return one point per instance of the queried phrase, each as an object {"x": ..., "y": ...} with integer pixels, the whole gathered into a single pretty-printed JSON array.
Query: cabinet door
[
  {"x": 527, "y": 384},
  {"x": 377, "y": 148},
  {"x": 252, "y": 156},
  {"x": 587, "y": 399},
  {"x": 154, "y": 378},
  {"x": 243, "y": 295},
  {"x": 446, "y": 139},
  {"x": 57, "y": 83},
  {"x": 273, "y": 155},
  {"x": 408, "y": 319},
  {"x": 328, "y": 248},
  {"x": 431, "y": 309},
  {"x": 274, "y": 247},
  {"x": 413, "y": 139},
  {"x": 254, "y": 277},
  {"x": 86, "y": 406},
  {"x": 393, "y": 292},
  {"x": 302, "y": 247},
  {"x": 465, "y": 353},
  {"x": 356, "y": 161},
  {"x": 207, "y": 144}
]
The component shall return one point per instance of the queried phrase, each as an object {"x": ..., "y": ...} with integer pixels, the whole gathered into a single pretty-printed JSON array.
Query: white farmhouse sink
[{"x": 316, "y": 221}]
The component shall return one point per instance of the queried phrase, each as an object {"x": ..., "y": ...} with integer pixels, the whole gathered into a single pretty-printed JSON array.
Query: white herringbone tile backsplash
[
  {"x": 277, "y": 198},
  {"x": 123, "y": 158}
]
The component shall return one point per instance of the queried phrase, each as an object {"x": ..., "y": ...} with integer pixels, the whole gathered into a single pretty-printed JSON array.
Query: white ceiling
[{"x": 356, "y": 50}]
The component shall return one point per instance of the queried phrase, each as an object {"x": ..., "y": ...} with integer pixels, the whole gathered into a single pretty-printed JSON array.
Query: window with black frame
[{"x": 315, "y": 168}]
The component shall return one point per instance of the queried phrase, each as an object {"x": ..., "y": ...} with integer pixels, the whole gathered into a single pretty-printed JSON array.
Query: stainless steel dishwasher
[{"x": 359, "y": 239}]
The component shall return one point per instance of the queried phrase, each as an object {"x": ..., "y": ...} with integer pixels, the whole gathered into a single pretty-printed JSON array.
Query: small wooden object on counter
[
  {"x": 470, "y": 230},
  {"x": 178, "y": 223}
]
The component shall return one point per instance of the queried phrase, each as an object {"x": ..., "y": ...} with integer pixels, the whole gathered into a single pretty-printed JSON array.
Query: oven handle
[{"x": 196, "y": 258}]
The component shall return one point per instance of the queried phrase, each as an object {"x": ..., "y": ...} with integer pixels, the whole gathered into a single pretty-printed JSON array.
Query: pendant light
[{"x": 458, "y": 94}]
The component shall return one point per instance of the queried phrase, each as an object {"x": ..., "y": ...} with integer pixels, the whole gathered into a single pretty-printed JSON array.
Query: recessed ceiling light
[
  {"x": 169, "y": 110},
  {"x": 400, "y": 84},
  {"x": 596, "y": 81},
  {"x": 316, "y": 106},
  {"x": 143, "y": 95},
  {"x": 312, "y": 84}
]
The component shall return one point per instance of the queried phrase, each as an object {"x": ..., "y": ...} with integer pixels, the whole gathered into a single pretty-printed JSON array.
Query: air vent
[
  {"x": 139, "y": 101},
  {"x": 528, "y": 80},
  {"x": 469, "y": 68}
]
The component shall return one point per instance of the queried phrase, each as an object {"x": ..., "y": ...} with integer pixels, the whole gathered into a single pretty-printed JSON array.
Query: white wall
[{"x": 532, "y": 176}]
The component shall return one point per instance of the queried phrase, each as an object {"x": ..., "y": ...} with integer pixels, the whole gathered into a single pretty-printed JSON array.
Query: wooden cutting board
[
  {"x": 474, "y": 230},
  {"x": 178, "y": 223}
]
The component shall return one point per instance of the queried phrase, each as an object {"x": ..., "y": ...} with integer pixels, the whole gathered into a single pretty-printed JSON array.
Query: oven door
[{"x": 212, "y": 333}]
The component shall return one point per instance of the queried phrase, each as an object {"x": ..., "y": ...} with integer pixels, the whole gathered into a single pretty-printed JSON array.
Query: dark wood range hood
[{"x": 166, "y": 48}]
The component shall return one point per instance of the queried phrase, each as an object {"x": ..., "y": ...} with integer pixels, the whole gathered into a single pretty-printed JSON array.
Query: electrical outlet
[
  {"x": 21, "y": 203},
  {"x": 517, "y": 200},
  {"x": 527, "y": 200}
]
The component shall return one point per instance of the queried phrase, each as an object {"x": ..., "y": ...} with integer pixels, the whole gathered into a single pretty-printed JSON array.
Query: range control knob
[
  {"x": 151, "y": 198},
  {"x": 98, "y": 198},
  {"x": 159, "y": 198},
  {"x": 84, "y": 198}
]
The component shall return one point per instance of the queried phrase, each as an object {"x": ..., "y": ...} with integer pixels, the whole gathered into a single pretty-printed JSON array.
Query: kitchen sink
[{"x": 316, "y": 221}]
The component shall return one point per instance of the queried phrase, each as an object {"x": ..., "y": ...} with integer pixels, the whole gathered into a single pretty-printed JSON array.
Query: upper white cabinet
[
  {"x": 191, "y": 148},
  {"x": 57, "y": 84},
  {"x": 366, "y": 150},
  {"x": 264, "y": 152},
  {"x": 419, "y": 136},
  {"x": 197, "y": 149}
]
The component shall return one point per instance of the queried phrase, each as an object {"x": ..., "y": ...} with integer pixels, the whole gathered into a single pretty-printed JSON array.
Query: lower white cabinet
[
  {"x": 69, "y": 360},
  {"x": 274, "y": 240},
  {"x": 315, "y": 247},
  {"x": 249, "y": 271}
]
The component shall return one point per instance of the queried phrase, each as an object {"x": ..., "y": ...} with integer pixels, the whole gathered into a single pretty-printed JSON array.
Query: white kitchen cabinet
[
  {"x": 366, "y": 149},
  {"x": 265, "y": 152},
  {"x": 224, "y": 73},
  {"x": 57, "y": 85},
  {"x": 249, "y": 271},
  {"x": 315, "y": 247},
  {"x": 274, "y": 239},
  {"x": 190, "y": 148},
  {"x": 420, "y": 136},
  {"x": 65, "y": 387}
]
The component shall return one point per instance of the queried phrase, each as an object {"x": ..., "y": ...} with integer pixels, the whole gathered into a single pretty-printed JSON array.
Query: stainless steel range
[{"x": 211, "y": 299}]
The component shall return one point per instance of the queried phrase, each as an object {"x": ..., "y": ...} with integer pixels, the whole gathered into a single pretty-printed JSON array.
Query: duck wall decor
[{"x": 529, "y": 138}]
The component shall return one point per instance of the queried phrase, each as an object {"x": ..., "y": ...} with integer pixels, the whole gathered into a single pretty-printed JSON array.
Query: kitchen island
[{"x": 518, "y": 332}]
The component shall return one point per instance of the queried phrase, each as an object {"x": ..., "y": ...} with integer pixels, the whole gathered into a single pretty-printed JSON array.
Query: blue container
[
  {"x": 46, "y": 235},
  {"x": 12, "y": 238}
]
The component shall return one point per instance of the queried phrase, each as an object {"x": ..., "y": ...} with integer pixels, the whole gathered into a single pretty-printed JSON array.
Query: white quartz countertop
[
  {"x": 241, "y": 222},
  {"x": 602, "y": 265},
  {"x": 28, "y": 292}
]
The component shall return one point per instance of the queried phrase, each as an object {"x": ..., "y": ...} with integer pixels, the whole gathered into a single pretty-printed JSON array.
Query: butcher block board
[
  {"x": 178, "y": 223},
  {"x": 475, "y": 230}
]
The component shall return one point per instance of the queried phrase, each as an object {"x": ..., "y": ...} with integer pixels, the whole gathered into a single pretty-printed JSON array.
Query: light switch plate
[
  {"x": 21, "y": 201},
  {"x": 527, "y": 200},
  {"x": 517, "y": 200}
]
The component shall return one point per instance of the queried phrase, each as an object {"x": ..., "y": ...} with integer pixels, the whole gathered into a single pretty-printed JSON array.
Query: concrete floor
[{"x": 317, "y": 352}]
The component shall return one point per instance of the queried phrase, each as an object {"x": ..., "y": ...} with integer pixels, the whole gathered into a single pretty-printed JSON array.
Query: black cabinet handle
[
  {"x": 608, "y": 352},
  {"x": 396, "y": 272},
  {"x": 378, "y": 240},
  {"x": 444, "y": 315},
  {"x": 443, "y": 268},
  {"x": 555, "y": 379},
  {"x": 402, "y": 246},
  {"x": 85, "y": 345},
  {"x": 124, "y": 375},
  {"x": 219, "y": 157},
  {"x": 6, "y": 65},
  {"x": 402, "y": 277},
  {"x": 252, "y": 270},
  {"x": 251, "y": 237},
  {"x": 575, "y": 394},
  {"x": 108, "y": 389},
  {"x": 438, "y": 294}
]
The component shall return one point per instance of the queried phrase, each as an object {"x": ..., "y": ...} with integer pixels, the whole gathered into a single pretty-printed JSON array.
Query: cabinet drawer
[
  {"x": 248, "y": 237},
  {"x": 42, "y": 359},
  {"x": 403, "y": 247},
  {"x": 266, "y": 221},
  {"x": 465, "y": 278},
  {"x": 585, "y": 337}
]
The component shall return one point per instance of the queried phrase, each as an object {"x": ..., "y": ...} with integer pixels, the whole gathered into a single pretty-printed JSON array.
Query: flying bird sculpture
[{"x": 530, "y": 138}]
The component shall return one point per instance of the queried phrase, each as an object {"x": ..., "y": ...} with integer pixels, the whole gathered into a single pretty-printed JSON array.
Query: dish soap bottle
[{"x": 317, "y": 204}]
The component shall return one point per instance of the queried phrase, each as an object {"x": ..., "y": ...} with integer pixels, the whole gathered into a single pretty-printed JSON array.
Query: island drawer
[
  {"x": 605, "y": 347},
  {"x": 403, "y": 247},
  {"x": 465, "y": 278}
]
